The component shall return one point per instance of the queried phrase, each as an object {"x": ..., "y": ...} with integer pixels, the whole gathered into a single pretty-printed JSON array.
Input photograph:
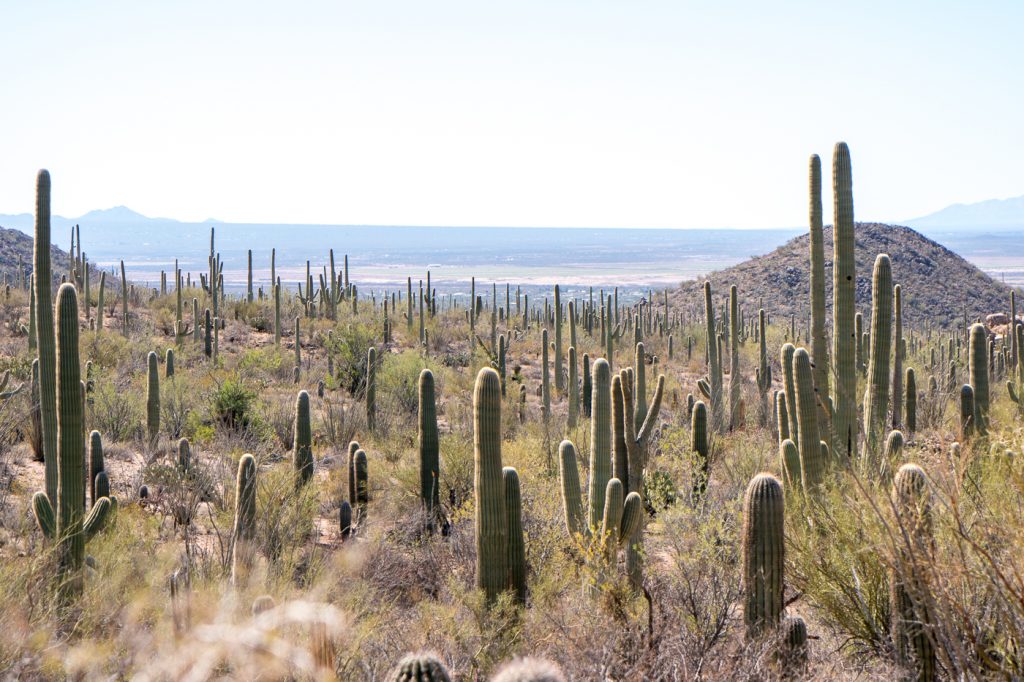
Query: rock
[{"x": 997, "y": 320}]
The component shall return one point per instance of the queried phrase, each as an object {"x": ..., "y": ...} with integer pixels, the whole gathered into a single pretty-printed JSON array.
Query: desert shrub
[
  {"x": 348, "y": 347},
  {"x": 178, "y": 401},
  {"x": 232, "y": 405},
  {"x": 117, "y": 412}
]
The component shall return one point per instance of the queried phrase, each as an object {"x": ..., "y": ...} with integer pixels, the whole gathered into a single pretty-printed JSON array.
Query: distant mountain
[
  {"x": 994, "y": 213},
  {"x": 938, "y": 285},
  {"x": 117, "y": 216},
  {"x": 16, "y": 255}
]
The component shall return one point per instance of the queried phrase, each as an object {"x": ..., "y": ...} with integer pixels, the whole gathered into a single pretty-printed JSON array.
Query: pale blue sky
[{"x": 533, "y": 113}]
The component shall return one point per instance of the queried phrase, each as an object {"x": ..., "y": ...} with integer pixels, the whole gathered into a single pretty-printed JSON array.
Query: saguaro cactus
[
  {"x": 516, "y": 548},
  {"x": 979, "y": 376},
  {"x": 600, "y": 442},
  {"x": 812, "y": 463},
  {"x": 65, "y": 524},
  {"x": 245, "y": 520},
  {"x": 819, "y": 340},
  {"x": 763, "y": 554},
  {"x": 559, "y": 380},
  {"x": 843, "y": 305},
  {"x": 735, "y": 379},
  {"x": 42, "y": 276},
  {"x": 897, "y": 357},
  {"x": 700, "y": 447},
  {"x": 430, "y": 481},
  {"x": 152, "y": 398},
  {"x": 911, "y": 401},
  {"x": 714, "y": 382},
  {"x": 302, "y": 452},
  {"x": 488, "y": 486},
  {"x": 908, "y": 589},
  {"x": 763, "y": 373},
  {"x": 876, "y": 398},
  {"x": 574, "y": 389},
  {"x": 371, "y": 389}
]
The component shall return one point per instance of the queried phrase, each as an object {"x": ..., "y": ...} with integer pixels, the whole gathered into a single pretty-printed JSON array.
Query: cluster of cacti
[{"x": 61, "y": 516}]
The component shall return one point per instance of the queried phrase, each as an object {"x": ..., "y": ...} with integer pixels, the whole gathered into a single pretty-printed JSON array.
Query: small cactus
[
  {"x": 529, "y": 670},
  {"x": 302, "y": 452},
  {"x": 245, "y": 520}
]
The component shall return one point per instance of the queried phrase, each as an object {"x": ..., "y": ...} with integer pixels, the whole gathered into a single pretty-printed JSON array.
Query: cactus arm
[
  {"x": 97, "y": 518},
  {"x": 43, "y": 512}
]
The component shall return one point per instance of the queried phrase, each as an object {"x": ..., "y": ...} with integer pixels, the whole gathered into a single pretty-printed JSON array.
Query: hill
[
  {"x": 15, "y": 244},
  {"x": 993, "y": 213},
  {"x": 937, "y": 283}
]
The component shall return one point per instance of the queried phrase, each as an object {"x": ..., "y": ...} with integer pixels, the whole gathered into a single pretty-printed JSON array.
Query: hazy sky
[{"x": 539, "y": 113}]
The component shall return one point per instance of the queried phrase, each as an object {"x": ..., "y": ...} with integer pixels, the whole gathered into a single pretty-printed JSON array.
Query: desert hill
[
  {"x": 937, "y": 283},
  {"x": 15, "y": 244}
]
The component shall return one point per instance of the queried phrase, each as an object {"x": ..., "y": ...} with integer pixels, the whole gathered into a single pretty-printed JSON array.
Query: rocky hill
[
  {"x": 15, "y": 244},
  {"x": 937, "y": 283}
]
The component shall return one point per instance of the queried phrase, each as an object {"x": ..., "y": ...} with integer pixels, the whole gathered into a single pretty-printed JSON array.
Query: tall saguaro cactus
[
  {"x": 371, "y": 389},
  {"x": 43, "y": 276},
  {"x": 714, "y": 383},
  {"x": 152, "y": 398},
  {"x": 763, "y": 374},
  {"x": 844, "y": 283},
  {"x": 812, "y": 463},
  {"x": 600, "y": 441},
  {"x": 735, "y": 379},
  {"x": 763, "y": 554},
  {"x": 819, "y": 340},
  {"x": 897, "y": 357},
  {"x": 559, "y": 381},
  {"x": 66, "y": 524},
  {"x": 876, "y": 398},
  {"x": 430, "y": 481},
  {"x": 979, "y": 369},
  {"x": 489, "y": 487},
  {"x": 516, "y": 549}
]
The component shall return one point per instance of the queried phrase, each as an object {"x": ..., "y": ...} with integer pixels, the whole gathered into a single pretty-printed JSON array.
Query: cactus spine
[
  {"x": 488, "y": 486},
  {"x": 843, "y": 305},
  {"x": 763, "y": 554},
  {"x": 876, "y": 397},
  {"x": 302, "y": 452},
  {"x": 430, "y": 481},
  {"x": 245, "y": 520},
  {"x": 152, "y": 399},
  {"x": 979, "y": 370}
]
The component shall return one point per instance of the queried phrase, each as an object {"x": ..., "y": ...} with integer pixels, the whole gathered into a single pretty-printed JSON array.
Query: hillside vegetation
[
  {"x": 335, "y": 483},
  {"x": 941, "y": 288}
]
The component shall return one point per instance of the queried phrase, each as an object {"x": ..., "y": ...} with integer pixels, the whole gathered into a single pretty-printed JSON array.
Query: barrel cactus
[{"x": 420, "y": 667}]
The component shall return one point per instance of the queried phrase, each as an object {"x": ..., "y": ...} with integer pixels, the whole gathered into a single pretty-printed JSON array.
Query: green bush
[
  {"x": 232, "y": 405},
  {"x": 348, "y": 347}
]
